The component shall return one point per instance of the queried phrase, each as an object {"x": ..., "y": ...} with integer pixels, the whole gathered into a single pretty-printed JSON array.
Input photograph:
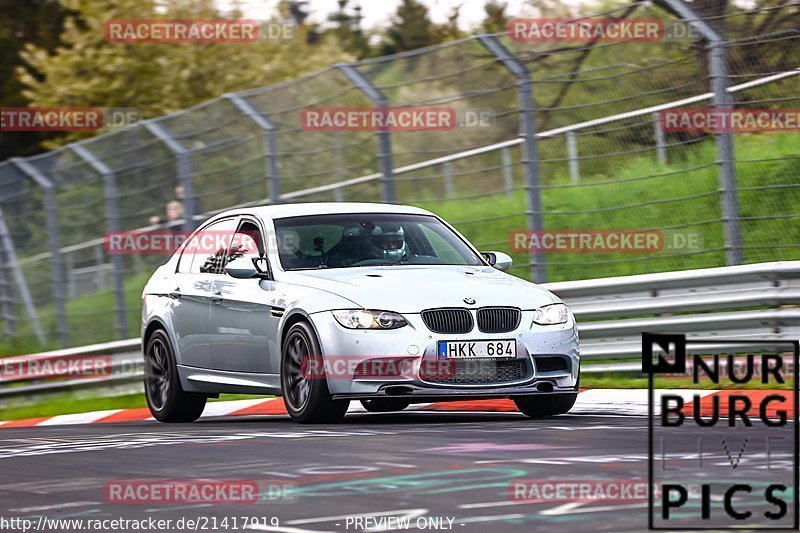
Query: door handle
[
  {"x": 217, "y": 297},
  {"x": 175, "y": 294}
]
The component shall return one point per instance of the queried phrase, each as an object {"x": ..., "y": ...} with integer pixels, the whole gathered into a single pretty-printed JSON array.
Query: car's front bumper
[{"x": 343, "y": 349}]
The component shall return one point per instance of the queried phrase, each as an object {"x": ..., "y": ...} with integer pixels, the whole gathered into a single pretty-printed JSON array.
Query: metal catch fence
[{"x": 552, "y": 137}]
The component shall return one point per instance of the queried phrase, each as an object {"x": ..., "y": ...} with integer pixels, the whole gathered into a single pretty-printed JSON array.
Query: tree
[
  {"x": 88, "y": 71},
  {"x": 450, "y": 30},
  {"x": 560, "y": 9},
  {"x": 347, "y": 28},
  {"x": 496, "y": 20},
  {"x": 411, "y": 28},
  {"x": 37, "y": 22},
  {"x": 296, "y": 10}
]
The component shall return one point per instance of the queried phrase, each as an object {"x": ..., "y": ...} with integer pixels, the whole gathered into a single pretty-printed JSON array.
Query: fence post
[
  {"x": 448, "y": 180},
  {"x": 718, "y": 66},
  {"x": 719, "y": 81},
  {"x": 54, "y": 243},
  {"x": 270, "y": 133},
  {"x": 338, "y": 192},
  {"x": 508, "y": 171},
  {"x": 572, "y": 154},
  {"x": 530, "y": 152},
  {"x": 661, "y": 142},
  {"x": 112, "y": 226},
  {"x": 184, "y": 171},
  {"x": 98, "y": 262},
  {"x": 10, "y": 259},
  {"x": 69, "y": 266},
  {"x": 6, "y": 300},
  {"x": 379, "y": 100}
]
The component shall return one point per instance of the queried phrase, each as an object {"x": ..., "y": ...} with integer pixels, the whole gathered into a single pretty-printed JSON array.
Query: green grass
[
  {"x": 68, "y": 404},
  {"x": 92, "y": 318},
  {"x": 693, "y": 201}
]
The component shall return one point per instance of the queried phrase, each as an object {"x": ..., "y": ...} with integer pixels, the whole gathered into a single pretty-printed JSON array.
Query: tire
[
  {"x": 385, "y": 405},
  {"x": 545, "y": 404},
  {"x": 166, "y": 399},
  {"x": 305, "y": 387}
]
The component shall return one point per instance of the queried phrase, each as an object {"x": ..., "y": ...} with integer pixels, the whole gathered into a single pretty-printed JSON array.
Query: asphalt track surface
[{"x": 418, "y": 464}]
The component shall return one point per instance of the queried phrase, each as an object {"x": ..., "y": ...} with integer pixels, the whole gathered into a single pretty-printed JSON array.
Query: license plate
[{"x": 477, "y": 349}]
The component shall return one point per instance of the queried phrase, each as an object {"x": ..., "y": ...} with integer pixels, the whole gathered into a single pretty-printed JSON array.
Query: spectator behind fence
[{"x": 174, "y": 212}]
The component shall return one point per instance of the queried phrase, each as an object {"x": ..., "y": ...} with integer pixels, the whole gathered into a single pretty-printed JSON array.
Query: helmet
[{"x": 389, "y": 242}]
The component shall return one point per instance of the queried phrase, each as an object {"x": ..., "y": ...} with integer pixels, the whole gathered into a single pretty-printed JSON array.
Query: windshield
[{"x": 359, "y": 239}]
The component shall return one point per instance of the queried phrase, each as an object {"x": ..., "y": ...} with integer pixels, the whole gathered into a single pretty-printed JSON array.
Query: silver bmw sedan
[{"x": 325, "y": 303}]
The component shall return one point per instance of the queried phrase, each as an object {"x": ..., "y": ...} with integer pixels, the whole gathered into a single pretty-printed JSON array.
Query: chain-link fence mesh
[{"x": 605, "y": 164}]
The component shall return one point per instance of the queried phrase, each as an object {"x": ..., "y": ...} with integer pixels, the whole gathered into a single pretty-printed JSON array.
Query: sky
[{"x": 378, "y": 12}]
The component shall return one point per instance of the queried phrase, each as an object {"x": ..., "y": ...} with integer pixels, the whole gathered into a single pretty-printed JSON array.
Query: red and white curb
[{"x": 594, "y": 401}]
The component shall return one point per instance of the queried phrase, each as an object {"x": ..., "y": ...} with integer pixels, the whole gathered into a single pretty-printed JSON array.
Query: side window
[
  {"x": 211, "y": 247},
  {"x": 246, "y": 242},
  {"x": 185, "y": 261}
]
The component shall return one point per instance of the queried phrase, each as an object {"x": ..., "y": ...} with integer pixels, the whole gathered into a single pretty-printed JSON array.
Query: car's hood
[{"x": 410, "y": 289}]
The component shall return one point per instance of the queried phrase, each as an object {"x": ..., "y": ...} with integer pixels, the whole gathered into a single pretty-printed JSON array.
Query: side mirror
[
  {"x": 242, "y": 268},
  {"x": 498, "y": 260}
]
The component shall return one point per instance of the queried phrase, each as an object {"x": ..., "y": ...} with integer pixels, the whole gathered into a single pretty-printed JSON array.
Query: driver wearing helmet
[{"x": 388, "y": 242}]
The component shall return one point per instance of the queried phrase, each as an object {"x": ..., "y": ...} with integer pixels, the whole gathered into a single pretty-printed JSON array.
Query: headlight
[
  {"x": 551, "y": 314},
  {"x": 363, "y": 319}
]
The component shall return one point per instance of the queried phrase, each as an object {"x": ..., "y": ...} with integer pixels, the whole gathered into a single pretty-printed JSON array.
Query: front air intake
[
  {"x": 450, "y": 321},
  {"x": 474, "y": 372},
  {"x": 498, "y": 319},
  {"x": 553, "y": 363}
]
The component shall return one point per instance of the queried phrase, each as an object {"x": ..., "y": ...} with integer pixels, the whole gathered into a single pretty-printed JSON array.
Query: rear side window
[{"x": 206, "y": 251}]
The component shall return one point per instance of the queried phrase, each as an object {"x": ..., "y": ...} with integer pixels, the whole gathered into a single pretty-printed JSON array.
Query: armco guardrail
[
  {"x": 123, "y": 365},
  {"x": 749, "y": 302}
]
